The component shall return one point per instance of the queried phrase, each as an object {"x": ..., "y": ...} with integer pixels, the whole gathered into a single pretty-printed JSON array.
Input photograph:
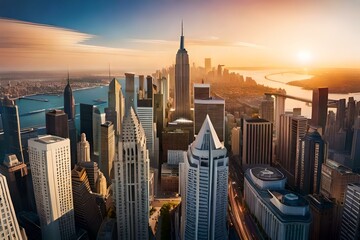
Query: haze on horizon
[{"x": 144, "y": 35}]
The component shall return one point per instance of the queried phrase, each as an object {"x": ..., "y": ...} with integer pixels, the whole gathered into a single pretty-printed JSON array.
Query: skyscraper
[
  {"x": 116, "y": 105},
  {"x": 50, "y": 166},
  {"x": 69, "y": 102},
  {"x": 319, "y": 107},
  {"x": 11, "y": 125},
  {"x": 132, "y": 181},
  {"x": 207, "y": 65},
  {"x": 312, "y": 154},
  {"x": 83, "y": 149},
  {"x": 149, "y": 86},
  {"x": 57, "y": 123},
  {"x": 350, "y": 225},
  {"x": 182, "y": 82},
  {"x": 267, "y": 108},
  {"x": 9, "y": 227},
  {"x": 145, "y": 115},
  {"x": 129, "y": 91},
  {"x": 204, "y": 198},
  {"x": 107, "y": 153},
  {"x": 293, "y": 128},
  {"x": 256, "y": 141},
  {"x": 98, "y": 119},
  {"x": 86, "y": 123}
]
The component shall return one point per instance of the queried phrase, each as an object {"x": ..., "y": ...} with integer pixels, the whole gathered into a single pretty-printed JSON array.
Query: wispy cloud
[
  {"x": 212, "y": 41},
  {"x": 36, "y": 45}
]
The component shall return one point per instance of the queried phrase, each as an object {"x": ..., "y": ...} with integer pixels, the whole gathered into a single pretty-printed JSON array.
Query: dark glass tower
[
  {"x": 182, "y": 82},
  {"x": 11, "y": 125},
  {"x": 57, "y": 123},
  {"x": 69, "y": 102}
]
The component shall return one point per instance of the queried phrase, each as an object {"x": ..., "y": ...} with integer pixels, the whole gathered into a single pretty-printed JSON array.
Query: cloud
[
  {"x": 28, "y": 45},
  {"x": 212, "y": 41}
]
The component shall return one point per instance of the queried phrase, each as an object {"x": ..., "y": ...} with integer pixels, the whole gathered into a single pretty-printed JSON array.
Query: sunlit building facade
[
  {"x": 131, "y": 186},
  {"x": 9, "y": 227},
  {"x": 281, "y": 213},
  {"x": 50, "y": 166},
  {"x": 204, "y": 177}
]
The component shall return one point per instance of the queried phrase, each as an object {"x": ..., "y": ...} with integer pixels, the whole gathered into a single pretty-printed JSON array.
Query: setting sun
[{"x": 304, "y": 57}]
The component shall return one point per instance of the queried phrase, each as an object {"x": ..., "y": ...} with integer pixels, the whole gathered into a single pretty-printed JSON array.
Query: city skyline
[{"x": 129, "y": 35}]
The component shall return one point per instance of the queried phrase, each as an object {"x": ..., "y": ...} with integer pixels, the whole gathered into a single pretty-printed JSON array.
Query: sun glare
[{"x": 304, "y": 57}]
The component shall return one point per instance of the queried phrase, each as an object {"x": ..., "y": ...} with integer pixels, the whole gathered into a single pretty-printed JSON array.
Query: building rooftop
[
  {"x": 202, "y": 142},
  {"x": 49, "y": 139},
  {"x": 256, "y": 120},
  {"x": 267, "y": 173},
  {"x": 338, "y": 167}
]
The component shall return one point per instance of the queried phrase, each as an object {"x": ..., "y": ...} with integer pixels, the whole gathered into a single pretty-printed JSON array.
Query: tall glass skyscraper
[
  {"x": 11, "y": 125},
  {"x": 204, "y": 193}
]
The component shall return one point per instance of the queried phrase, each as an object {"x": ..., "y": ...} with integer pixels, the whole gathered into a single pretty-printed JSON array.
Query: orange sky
[{"x": 236, "y": 33}]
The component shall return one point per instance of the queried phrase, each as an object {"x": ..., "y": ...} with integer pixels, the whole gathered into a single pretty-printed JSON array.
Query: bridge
[{"x": 331, "y": 102}]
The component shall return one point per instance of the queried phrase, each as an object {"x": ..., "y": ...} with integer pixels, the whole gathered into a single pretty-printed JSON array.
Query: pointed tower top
[
  {"x": 68, "y": 79},
  {"x": 182, "y": 35},
  {"x": 182, "y": 27},
  {"x": 207, "y": 132}
]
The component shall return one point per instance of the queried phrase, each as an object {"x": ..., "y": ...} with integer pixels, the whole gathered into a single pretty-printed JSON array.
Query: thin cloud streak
[{"x": 213, "y": 41}]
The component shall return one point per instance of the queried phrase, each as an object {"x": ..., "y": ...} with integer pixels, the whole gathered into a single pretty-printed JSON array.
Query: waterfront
[{"x": 279, "y": 78}]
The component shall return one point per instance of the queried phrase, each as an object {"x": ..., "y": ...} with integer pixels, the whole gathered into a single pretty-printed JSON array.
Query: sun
[{"x": 304, "y": 56}]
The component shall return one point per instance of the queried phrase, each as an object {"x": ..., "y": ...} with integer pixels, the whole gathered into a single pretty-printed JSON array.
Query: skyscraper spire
[
  {"x": 68, "y": 79},
  {"x": 182, "y": 35}
]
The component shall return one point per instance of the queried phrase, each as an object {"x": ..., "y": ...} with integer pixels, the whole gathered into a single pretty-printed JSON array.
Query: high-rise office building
[
  {"x": 201, "y": 91},
  {"x": 256, "y": 141},
  {"x": 145, "y": 115},
  {"x": 9, "y": 227},
  {"x": 215, "y": 108},
  {"x": 132, "y": 181},
  {"x": 86, "y": 123},
  {"x": 350, "y": 225},
  {"x": 73, "y": 136},
  {"x": 293, "y": 128},
  {"x": 266, "y": 110},
  {"x": 16, "y": 173},
  {"x": 149, "y": 87},
  {"x": 83, "y": 149},
  {"x": 89, "y": 208},
  {"x": 182, "y": 82},
  {"x": 141, "y": 90},
  {"x": 204, "y": 176},
  {"x": 279, "y": 110},
  {"x": 11, "y": 126},
  {"x": 312, "y": 154},
  {"x": 319, "y": 107},
  {"x": 57, "y": 123},
  {"x": 281, "y": 213},
  {"x": 207, "y": 65},
  {"x": 355, "y": 149},
  {"x": 69, "y": 101},
  {"x": 334, "y": 179},
  {"x": 116, "y": 105},
  {"x": 50, "y": 166},
  {"x": 129, "y": 91},
  {"x": 98, "y": 119},
  {"x": 107, "y": 153}
]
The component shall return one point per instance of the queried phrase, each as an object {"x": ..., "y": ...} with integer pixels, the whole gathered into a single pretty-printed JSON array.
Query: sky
[{"x": 143, "y": 35}]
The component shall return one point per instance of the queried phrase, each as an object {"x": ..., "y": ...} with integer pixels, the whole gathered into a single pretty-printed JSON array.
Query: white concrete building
[
  {"x": 50, "y": 166},
  {"x": 204, "y": 191},
  {"x": 281, "y": 213},
  {"x": 132, "y": 173},
  {"x": 9, "y": 227}
]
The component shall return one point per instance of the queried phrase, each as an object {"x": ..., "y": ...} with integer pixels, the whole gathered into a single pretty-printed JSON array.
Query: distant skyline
[{"x": 141, "y": 36}]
